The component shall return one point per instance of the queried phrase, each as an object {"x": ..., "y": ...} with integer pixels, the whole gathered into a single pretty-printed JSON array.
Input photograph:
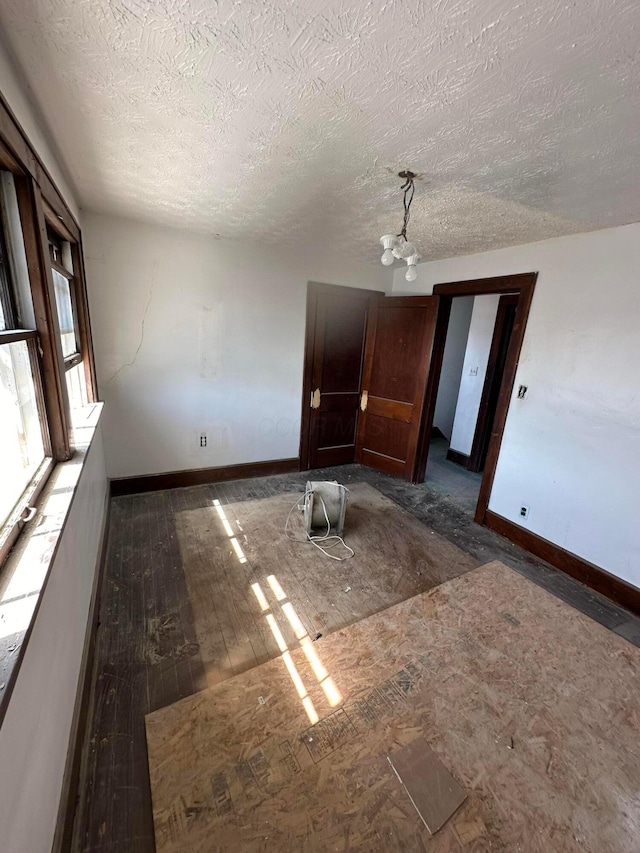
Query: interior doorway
[
  {"x": 507, "y": 334},
  {"x": 474, "y": 358}
]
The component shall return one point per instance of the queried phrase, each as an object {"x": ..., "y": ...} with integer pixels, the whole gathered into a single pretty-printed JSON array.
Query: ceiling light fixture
[{"x": 397, "y": 245}]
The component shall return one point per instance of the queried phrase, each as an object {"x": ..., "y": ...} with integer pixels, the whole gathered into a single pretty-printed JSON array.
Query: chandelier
[{"x": 396, "y": 246}]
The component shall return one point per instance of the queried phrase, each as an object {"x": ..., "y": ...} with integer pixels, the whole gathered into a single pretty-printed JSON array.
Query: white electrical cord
[{"x": 327, "y": 537}]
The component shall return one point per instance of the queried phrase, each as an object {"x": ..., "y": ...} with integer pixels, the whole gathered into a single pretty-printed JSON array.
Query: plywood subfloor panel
[
  {"x": 532, "y": 706},
  {"x": 234, "y": 553},
  {"x": 147, "y": 654}
]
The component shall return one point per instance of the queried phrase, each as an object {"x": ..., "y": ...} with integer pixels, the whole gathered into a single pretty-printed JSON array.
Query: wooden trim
[
  {"x": 41, "y": 401},
  {"x": 72, "y": 360},
  {"x": 8, "y": 161},
  {"x": 84, "y": 322},
  {"x": 71, "y": 779},
  {"x": 431, "y": 394},
  {"x": 57, "y": 224},
  {"x": 524, "y": 285},
  {"x": 201, "y": 476},
  {"x": 307, "y": 376},
  {"x": 528, "y": 283},
  {"x": 8, "y": 305},
  {"x": 14, "y": 140},
  {"x": 21, "y": 151},
  {"x": 365, "y": 376},
  {"x": 483, "y": 286},
  {"x": 54, "y": 199},
  {"x": 37, "y": 253},
  {"x": 457, "y": 457},
  {"x": 59, "y": 268},
  {"x": 484, "y": 420},
  {"x": 76, "y": 356},
  {"x": 596, "y": 578},
  {"x": 315, "y": 289},
  {"x": 14, "y": 336},
  {"x": 425, "y": 400}
]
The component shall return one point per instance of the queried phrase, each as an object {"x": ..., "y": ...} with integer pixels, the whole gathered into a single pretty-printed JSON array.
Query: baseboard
[
  {"x": 613, "y": 588},
  {"x": 71, "y": 778},
  {"x": 201, "y": 476},
  {"x": 457, "y": 457}
]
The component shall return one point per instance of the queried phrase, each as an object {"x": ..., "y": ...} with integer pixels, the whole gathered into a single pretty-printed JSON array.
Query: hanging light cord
[{"x": 409, "y": 189}]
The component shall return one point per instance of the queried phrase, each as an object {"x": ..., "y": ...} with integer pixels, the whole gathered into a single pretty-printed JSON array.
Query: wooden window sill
[{"x": 24, "y": 576}]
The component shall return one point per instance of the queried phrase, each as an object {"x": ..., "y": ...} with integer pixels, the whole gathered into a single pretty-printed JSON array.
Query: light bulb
[
  {"x": 411, "y": 273},
  {"x": 387, "y": 258}
]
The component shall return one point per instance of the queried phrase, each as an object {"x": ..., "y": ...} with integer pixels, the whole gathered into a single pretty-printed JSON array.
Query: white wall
[
  {"x": 19, "y": 100},
  {"x": 474, "y": 370},
  {"x": 35, "y": 731},
  {"x": 452, "y": 360},
  {"x": 571, "y": 449},
  {"x": 195, "y": 334}
]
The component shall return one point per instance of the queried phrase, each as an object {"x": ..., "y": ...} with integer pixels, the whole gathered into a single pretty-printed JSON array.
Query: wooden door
[
  {"x": 398, "y": 355},
  {"x": 336, "y": 327}
]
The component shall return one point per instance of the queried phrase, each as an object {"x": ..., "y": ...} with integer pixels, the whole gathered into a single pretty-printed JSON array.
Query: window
[
  {"x": 66, "y": 302},
  {"x": 25, "y": 453},
  {"x": 47, "y": 372}
]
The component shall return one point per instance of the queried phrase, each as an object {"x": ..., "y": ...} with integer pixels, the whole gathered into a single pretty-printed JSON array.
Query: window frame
[
  {"x": 41, "y": 206},
  {"x": 20, "y": 515},
  {"x": 79, "y": 302},
  {"x": 77, "y": 356}
]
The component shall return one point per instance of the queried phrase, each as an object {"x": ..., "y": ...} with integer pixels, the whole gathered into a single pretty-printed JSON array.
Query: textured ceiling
[{"x": 287, "y": 120}]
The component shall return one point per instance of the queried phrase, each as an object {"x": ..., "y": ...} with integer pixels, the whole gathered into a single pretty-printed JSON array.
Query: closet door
[
  {"x": 398, "y": 354},
  {"x": 336, "y": 328}
]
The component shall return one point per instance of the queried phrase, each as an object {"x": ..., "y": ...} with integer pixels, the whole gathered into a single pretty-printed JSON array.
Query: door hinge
[
  {"x": 315, "y": 399},
  {"x": 364, "y": 399}
]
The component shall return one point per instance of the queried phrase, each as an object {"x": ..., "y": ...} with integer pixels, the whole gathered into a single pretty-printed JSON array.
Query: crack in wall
[{"x": 144, "y": 320}]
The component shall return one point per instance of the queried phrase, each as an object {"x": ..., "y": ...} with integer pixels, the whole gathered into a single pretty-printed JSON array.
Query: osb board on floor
[
  {"x": 227, "y": 550},
  {"x": 531, "y": 705}
]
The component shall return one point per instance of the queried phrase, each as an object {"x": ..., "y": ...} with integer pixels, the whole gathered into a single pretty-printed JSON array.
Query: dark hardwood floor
[{"x": 148, "y": 655}]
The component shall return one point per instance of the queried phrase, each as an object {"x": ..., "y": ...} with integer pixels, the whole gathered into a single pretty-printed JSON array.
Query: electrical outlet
[
  {"x": 473, "y": 371},
  {"x": 203, "y": 440},
  {"x": 522, "y": 392},
  {"x": 524, "y": 511}
]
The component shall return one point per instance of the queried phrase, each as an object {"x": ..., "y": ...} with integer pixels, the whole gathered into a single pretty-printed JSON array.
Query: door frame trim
[
  {"x": 315, "y": 289},
  {"x": 522, "y": 284},
  {"x": 482, "y": 421}
]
